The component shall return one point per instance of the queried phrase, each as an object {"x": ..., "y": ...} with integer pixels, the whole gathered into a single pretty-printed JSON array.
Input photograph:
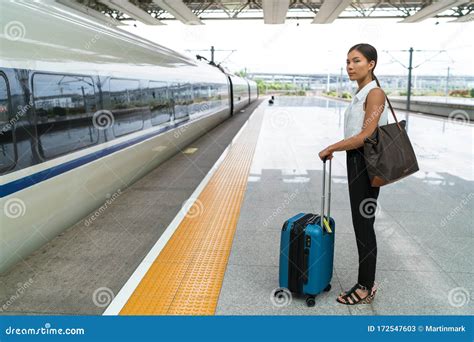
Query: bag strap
[{"x": 389, "y": 104}]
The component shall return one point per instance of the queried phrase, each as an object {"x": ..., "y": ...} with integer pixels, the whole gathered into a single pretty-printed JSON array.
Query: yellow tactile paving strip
[{"x": 186, "y": 277}]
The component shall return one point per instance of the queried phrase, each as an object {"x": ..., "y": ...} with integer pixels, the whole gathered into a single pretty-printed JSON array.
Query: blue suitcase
[{"x": 307, "y": 251}]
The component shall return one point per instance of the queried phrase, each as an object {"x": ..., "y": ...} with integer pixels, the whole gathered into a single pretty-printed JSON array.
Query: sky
[{"x": 313, "y": 48}]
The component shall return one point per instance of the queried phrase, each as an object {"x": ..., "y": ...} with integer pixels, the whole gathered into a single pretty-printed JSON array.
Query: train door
[
  {"x": 8, "y": 151},
  {"x": 231, "y": 87}
]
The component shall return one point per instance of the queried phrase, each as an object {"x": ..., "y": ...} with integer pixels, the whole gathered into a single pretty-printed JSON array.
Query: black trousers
[{"x": 363, "y": 198}]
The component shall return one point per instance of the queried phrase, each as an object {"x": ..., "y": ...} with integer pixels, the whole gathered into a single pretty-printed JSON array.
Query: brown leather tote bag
[{"x": 388, "y": 152}]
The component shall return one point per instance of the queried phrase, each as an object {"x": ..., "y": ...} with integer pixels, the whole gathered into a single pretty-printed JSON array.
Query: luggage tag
[{"x": 327, "y": 226}]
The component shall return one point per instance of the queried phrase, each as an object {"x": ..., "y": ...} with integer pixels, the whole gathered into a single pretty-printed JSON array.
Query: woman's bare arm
[{"x": 374, "y": 107}]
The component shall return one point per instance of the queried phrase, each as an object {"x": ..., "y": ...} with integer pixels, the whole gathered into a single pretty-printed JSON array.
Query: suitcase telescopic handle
[{"x": 323, "y": 197}]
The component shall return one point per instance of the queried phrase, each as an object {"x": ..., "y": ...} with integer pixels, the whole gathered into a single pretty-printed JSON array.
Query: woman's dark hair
[{"x": 369, "y": 52}]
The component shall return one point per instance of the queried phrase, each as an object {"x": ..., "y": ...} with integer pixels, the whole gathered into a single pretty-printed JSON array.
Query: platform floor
[{"x": 424, "y": 227}]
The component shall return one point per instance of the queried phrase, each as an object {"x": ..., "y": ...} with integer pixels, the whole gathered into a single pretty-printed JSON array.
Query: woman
[{"x": 367, "y": 109}]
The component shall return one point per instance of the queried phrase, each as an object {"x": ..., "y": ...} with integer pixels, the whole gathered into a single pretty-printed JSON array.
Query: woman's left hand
[{"x": 325, "y": 154}]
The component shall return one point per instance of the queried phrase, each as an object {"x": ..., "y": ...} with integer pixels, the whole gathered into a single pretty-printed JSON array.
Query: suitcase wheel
[
  {"x": 328, "y": 288},
  {"x": 310, "y": 301}
]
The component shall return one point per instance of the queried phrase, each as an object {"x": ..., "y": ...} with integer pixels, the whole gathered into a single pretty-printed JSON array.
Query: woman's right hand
[{"x": 325, "y": 154}]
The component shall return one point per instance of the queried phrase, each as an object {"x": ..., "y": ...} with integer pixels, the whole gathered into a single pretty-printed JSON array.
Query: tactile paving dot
[{"x": 186, "y": 278}]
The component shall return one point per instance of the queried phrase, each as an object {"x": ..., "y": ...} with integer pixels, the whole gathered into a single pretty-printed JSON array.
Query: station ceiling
[{"x": 196, "y": 12}]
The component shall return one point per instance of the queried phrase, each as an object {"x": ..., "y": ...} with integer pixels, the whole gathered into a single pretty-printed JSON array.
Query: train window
[
  {"x": 206, "y": 93},
  {"x": 182, "y": 100},
  {"x": 7, "y": 148},
  {"x": 158, "y": 99},
  {"x": 127, "y": 106},
  {"x": 217, "y": 96},
  {"x": 195, "y": 96},
  {"x": 201, "y": 103},
  {"x": 64, "y": 106},
  {"x": 223, "y": 95}
]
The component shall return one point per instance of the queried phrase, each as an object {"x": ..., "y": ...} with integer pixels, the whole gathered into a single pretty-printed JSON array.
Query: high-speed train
[{"x": 87, "y": 109}]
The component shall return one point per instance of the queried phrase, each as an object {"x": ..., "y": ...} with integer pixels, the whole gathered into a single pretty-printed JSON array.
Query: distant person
[
  {"x": 367, "y": 109},
  {"x": 272, "y": 100}
]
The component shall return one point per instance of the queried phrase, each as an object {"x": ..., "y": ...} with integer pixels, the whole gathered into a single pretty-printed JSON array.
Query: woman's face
[{"x": 357, "y": 65}]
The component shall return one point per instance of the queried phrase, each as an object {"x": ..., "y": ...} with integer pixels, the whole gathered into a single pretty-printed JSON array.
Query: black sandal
[
  {"x": 374, "y": 291},
  {"x": 354, "y": 296}
]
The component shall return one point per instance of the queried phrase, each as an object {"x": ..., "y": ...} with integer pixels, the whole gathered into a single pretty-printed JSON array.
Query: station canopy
[{"x": 196, "y": 12}]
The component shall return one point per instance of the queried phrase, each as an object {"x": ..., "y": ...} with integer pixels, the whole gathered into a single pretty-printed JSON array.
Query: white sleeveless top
[{"x": 354, "y": 114}]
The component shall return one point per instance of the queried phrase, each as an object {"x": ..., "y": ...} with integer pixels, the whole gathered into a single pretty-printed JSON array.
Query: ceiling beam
[
  {"x": 89, "y": 12},
  {"x": 180, "y": 11},
  {"x": 274, "y": 11},
  {"x": 431, "y": 10},
  {"x": 330, "y": 10},
  {"x": 132, "y": 11}
]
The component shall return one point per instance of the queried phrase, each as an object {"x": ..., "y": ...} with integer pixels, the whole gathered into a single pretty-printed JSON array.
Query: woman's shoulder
[
  {"x": 376, "y": 95},
  {"x": 376, "y": 92}
]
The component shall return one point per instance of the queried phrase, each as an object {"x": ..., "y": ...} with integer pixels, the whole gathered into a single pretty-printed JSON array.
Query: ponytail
[
  {"x": 375, "y": 78},
  {"x": 378, "y": 84}
]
